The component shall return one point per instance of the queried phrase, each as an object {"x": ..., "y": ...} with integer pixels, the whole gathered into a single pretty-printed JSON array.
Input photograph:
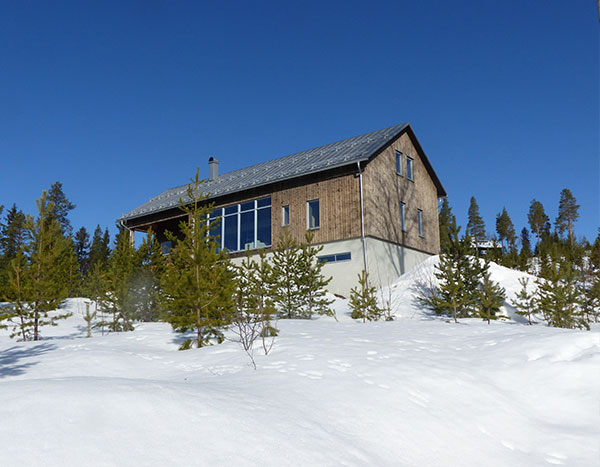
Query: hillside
[{"x": 413, "y": 392}]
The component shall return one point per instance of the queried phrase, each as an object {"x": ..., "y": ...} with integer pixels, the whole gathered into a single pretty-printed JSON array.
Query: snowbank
[{"x": 414, "y": 392}]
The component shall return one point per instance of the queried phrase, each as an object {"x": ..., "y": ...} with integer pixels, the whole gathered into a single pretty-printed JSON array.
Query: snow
[{"x": 416, "y": 391}]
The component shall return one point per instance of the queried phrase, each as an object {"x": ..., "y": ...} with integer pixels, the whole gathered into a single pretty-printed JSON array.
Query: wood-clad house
[{"x": 371, "y": 201}]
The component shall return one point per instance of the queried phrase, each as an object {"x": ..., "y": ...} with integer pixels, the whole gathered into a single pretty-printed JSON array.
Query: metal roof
[{"x": 338, "y": 154}]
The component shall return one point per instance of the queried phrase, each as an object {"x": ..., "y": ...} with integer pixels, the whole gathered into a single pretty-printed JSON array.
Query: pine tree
[
  {"x": 199, "y": 280},
  {"x": 505, "y": 229},
  {"x": 537, "y": 218},
  {"x": 568, "y": 213},
  {"x": 88, "y": 317},
  {"x": 311, "y": 281},
  {"x": 363, "y": 301},
  {"x": 40, "y": 277},
  {"x": 82, "y": 250},
  {"x": 60, "y": 208},
  {"x": 18, "y": 290},
  {"x": 491, "y": 296},
  {"x": 525, "y": 300},
  {"x": 286, "y": 267},
  {"x": 476, "y": 226},
  {"x": 459, "y": 272},
  {"x": 559, "y": 297},
  {"x": 119, "y": 276},
  {"x": 97, "y": 289},
  {"x": 446, "y": 219}
]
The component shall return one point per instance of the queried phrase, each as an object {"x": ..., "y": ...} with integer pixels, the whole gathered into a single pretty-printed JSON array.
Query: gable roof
[{"x": 330, "y": 156}]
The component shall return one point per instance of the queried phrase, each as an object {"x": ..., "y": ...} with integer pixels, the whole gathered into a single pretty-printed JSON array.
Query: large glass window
[
  {"x": 263, "y": 227},
  {"x": 243, "y": 226},
  {"x": 313, "y": 214},
  {"x": 231, "y": 233}
]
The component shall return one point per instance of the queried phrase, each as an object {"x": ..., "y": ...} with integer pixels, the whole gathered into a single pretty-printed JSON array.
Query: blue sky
[{"x": 121, "y": 100}]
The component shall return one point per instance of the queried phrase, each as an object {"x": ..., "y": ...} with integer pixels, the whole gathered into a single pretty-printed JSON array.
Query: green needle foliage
[
  {"x": 363, "y": 301},
  {"x": 491, "y": 297},
  {"x": 525, "y": 300},
  {"x": 199, "y": 280}
]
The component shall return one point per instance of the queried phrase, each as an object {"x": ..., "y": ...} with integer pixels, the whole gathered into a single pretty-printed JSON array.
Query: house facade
[{"x": 371, "y": 201}]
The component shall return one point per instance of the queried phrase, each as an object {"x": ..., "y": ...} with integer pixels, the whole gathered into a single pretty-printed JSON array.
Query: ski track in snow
[{"x": 413, "y": 392}]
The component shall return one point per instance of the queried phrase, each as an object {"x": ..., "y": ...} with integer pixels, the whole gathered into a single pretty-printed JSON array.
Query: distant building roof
[{"x": 330, "y": 156}]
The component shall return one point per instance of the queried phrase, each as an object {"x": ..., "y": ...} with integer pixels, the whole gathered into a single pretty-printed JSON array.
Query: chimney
[{"x": 213, "y": 168}]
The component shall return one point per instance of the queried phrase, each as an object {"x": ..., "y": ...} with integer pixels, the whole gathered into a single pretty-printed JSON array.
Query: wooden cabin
[{"x": 370, "y": 200}]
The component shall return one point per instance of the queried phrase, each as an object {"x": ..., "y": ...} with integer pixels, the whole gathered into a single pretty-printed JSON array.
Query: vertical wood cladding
[
  {"x": 384, "y": 190},
  {"x": 339, "y": 203}
]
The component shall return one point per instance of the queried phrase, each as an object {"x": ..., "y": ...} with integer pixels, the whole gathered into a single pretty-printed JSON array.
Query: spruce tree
[
  {"x": 60, "y": 208},
  {"x": 82, "y": 250},
  {"x": 476, "y": 226},
  {"x": 99, "y": 249},
  {"x": 12, "y": 240},
  {"x": 286, "y": 267},
  {"x": 446, "y": 218},
  {"x": 311, "y": 281},
  {"x": 537, "y": 218},
  {"x": 363, "y": 301},
  {"x": 199, "y": 280},
  {"x": 525, "y": 253},
  {"x": 525, "y": 300},
  {"x": 568, "y": 213}
]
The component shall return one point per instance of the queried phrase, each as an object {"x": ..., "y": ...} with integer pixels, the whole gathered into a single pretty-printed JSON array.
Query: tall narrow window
[
  {"x": 312, "y": 214},
  {"x": 420, "y": 221},
  {"x": 402, "y": 220},
  {"x": 399, "y": 163},
  {"x": 285, "y": 215},
  {"x": 409, "y": 168}
]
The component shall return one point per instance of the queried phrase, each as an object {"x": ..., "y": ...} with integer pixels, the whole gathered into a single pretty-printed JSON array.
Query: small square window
[
  {"x": 285, "y": 215},
  {"x": 399, "y": 163},
  {"x": 402, "y": 220},
  {"x": 420, "y": 221},
  {"x": 409, "y": 168},
  {"x": 313, "y": 214}
]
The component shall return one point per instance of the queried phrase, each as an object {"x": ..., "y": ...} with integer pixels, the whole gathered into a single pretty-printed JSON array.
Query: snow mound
[{"x": 404, "y": 292}]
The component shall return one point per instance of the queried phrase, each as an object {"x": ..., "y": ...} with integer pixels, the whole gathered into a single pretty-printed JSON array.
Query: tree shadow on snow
[{"x": 11, "y": 359}]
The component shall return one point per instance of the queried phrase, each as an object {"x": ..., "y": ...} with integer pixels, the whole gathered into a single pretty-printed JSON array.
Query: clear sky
[{"x": 122, "y": 100}]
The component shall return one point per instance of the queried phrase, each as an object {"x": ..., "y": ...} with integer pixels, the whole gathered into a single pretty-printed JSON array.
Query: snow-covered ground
[{"x": 413, "y": 392}]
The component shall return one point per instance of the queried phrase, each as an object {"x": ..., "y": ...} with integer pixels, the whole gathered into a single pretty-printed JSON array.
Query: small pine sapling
[
  {"x": 88, "y": 317},
  {"x": 363, "y": 300},
  {"x": 525, "y": 300},
  {"x": 491, "y": 298},
  {"x": 286, "y": 264},
  {"x": 312, "y": 283}
]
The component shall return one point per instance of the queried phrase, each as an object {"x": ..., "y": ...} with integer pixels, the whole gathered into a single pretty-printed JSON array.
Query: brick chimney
[{"x": 213, "y": 168}]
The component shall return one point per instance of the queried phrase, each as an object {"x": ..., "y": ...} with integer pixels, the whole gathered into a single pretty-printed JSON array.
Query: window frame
[
  {"x": 399, "y": 163},
  {"x": 285, "y": 210},
  {"x": 420, "y": 222},
  {"x": 235, "y": 211},
  {"x": 410, "y": 169},
  {"x": 318, "y": 217},
  {"x": 402, "y": 216}
]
